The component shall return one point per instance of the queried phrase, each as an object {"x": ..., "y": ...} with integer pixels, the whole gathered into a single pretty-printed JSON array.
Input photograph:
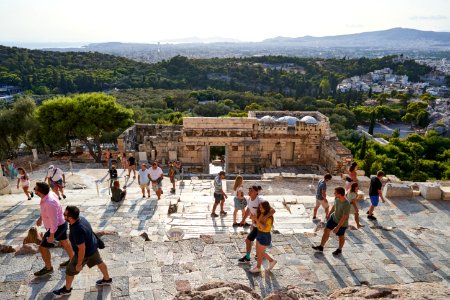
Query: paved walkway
[{"x": 409, "y": 243}]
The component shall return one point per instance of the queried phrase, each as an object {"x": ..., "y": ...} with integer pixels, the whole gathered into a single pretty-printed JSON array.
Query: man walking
[
  {"x": 321, "y": 195},
  {"x": 57, "y": 180},
  {"x": 219, "y": 195},
  {"x": 144, "y": 180},
  {"x": 375, "y": 193},
  {"x": 85, "y": 245},
  {"x": 156, "y": 176},
  {"x": 53, "y": 220},
  {"x": 337, "y": 221}
]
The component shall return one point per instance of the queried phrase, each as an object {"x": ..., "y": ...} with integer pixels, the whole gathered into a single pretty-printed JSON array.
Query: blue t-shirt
[
  {"x": 218, "y": 185},
  {"x": 321, "y": 186},
  {"x": 81, "y": 232}
]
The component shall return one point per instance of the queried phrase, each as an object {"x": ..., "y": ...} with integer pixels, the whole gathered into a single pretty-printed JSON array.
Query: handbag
[{"x": 100, "y": 243}]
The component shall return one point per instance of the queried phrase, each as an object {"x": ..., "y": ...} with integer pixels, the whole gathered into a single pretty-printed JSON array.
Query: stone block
[
  {"x": 363, "y": 182},
  {"x": 397, "y": 190},
  {"x": 445, "y": 192},
  {"x": 430, "y": 191}
]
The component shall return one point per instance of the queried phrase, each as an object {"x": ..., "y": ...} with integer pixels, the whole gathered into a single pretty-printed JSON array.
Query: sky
[{"x": 147, "y": 21}]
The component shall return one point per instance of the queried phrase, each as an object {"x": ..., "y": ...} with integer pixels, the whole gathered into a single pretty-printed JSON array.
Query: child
[
  {"x": 239, "y": 200},
  {"x": 23, "y": 178}
]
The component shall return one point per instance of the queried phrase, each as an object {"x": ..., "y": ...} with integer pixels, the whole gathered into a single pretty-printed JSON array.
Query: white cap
[{"x": 51, "y": 167}]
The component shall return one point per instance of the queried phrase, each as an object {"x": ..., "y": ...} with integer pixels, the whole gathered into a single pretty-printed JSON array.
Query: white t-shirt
[
  {"x": 143, "y": 176},
  {"x": 155, "y": 173},
  {"x": 253, "y": 204},
  {"x": 58, "y": 174}
]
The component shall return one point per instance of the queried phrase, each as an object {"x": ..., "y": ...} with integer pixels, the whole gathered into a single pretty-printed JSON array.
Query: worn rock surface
[{"x": 406, "y": 246}]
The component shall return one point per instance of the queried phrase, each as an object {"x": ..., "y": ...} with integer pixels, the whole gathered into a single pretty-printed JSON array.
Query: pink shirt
[{"x": 51, "y": 212}]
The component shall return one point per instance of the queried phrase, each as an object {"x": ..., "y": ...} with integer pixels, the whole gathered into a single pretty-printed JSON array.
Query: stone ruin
[
  {"x": 263, "y": 139},
  {"x": 5, "y": 188}
]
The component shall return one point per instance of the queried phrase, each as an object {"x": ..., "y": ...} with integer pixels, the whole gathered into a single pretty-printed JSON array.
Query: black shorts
[
  {"x": 252, "y": 235},
  {"x": 331, "y": 224},
  {"x": 218, "y": 197},
  {"x": 60, "y": 235}
]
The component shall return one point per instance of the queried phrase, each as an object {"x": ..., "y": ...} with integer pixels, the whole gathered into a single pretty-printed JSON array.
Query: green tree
[{"x": 85, "y": 116}]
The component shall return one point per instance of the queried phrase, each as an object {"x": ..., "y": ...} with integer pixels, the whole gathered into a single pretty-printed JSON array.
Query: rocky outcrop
[
  {"x": 5, "y": 188},
  {"x": 418, "y": 290},
  {"x": 219, "y": 290},
  {"x": 230, "y": 290}
]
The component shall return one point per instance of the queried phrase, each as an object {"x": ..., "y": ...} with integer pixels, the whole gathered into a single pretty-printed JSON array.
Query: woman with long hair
[
  {"x": 239, "y": 200},
  {"x": 24, "y": 180},
  {"x": 352, "y": 176},
  {"x": 352, "y": 195},
  {"x": 263, "y": 237},
  {"x": 117, "y": 193}
]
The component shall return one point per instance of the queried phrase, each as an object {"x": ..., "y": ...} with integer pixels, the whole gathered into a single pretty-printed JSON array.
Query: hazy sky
[{"x": 246, "y": 20}]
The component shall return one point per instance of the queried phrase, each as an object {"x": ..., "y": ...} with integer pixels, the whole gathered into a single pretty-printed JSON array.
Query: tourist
[
  {"x": 321, "y": 195},
  {"x": 117, "y": 193},
  {"x": 239, "y": 199},
  {"x": 156, "y": 176},
  {"x": 172, "y": 172},
  {"x": 53, "y": 219},
  {"x": 352, "y": 176},
  {"x": 144, "y": 180},
  {"x": 113, "y": 175},
  {"x": 85, "y": 246},
  {"x": 11, "y": 170},
  {"x": 124, "y": 161},
  {"x": 108, "y": 158},
  {"x": 375, "y": 193},
  {"x": 57, "y": 180},
  {"x": 252, "y": 209},
  {"x": 131, "y": 162},
  {"x": 263, "y": 236},
  {"x": 24, "y": 180},
  {"x": 337, "y": 221},
  {"x": 352, "y": 196},
  {"x": 119, "y": 160},
  {"x": 219, "y": 195}
]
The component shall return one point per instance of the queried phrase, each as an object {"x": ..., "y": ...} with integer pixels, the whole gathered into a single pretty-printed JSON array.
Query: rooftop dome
[
  {"x": 267, "y": 119},
  {"x": 288, "y": 119},
  {"x": 309, "y": 120}
]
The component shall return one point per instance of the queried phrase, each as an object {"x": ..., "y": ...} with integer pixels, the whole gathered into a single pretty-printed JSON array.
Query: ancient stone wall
[{"x": 264, "y": 139}]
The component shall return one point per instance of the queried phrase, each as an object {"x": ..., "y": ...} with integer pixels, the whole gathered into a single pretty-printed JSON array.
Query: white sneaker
[
  {"x": 255, "y": 270},
  {"x": 272, "y": 264}
]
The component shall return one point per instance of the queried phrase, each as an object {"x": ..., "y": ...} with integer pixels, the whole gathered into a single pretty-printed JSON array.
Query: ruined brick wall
[{"x": 261, "y": 140}]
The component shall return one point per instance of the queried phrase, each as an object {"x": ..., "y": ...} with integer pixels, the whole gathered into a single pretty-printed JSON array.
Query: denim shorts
[
  {"x": 374, "y": 200},
  {"x": 239, "y": 203},
  {"x": 264, "y": 238}
]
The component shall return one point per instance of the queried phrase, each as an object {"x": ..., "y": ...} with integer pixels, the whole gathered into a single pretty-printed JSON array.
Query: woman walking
[
  {"x": 24, "y": 180},
  {"x": 352, "y": 195},
  {"x": 263, "y": 237},
  {"x": 239, "y": 200},
  {"x": 352, "y": 176}
]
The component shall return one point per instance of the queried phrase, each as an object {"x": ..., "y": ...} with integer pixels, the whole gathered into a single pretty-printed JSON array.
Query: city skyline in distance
[{"x": 139, "y": 21}]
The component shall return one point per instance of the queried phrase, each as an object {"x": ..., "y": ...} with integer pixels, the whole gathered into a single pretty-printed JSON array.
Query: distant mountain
[
  {"x": 396, "y": 38},
  {"x": 197, "y": 40},
  {"x": 395, "y": 41}
]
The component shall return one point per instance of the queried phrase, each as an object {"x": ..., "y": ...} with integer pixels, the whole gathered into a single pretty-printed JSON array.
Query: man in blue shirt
[
  {"x": 85, "y": 247},
  {"x": 219, "y": 195},
  {"x": 321, "y": 195}
]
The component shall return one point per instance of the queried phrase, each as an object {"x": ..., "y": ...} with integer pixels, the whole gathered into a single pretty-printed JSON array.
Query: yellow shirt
[{"x": 268, "y": 223}]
